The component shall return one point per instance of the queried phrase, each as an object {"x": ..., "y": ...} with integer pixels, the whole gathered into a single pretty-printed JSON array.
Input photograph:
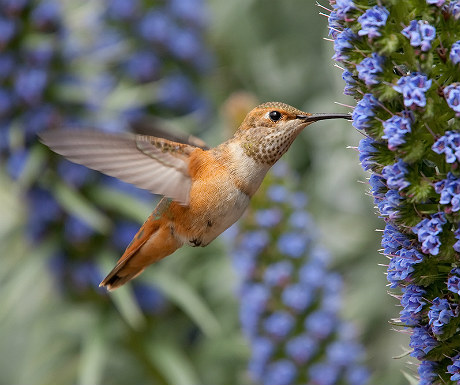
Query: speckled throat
[{"x": 268, "y": 145}]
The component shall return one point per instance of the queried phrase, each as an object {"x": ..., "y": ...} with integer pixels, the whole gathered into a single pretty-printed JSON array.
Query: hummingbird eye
[{"x": 274, "y": 115}]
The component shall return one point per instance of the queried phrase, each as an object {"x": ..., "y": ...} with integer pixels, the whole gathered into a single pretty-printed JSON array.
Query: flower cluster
[
  {"x": 40, "y": 88},
  {"x": 408, "y": 106},
  {"x": 289, "y": 298}
]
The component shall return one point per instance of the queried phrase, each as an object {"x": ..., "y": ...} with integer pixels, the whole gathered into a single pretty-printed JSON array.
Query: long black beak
[{"x": 316, "y": 117}]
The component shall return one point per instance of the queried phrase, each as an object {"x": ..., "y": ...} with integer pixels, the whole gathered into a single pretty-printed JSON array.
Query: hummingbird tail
[{"x": 154, "y": 241}]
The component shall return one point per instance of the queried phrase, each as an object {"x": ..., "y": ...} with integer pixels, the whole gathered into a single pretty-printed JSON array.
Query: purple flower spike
[
  {"x": 413, "y": 88},
  {"x": 420, "y": 33}
]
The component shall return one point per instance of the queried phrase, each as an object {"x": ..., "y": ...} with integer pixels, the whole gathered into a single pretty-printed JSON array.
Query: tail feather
[{"x": 120, "y": 275}]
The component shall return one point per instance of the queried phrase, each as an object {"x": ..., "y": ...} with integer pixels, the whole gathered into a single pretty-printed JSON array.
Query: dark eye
[{"x": 274, "y": 115}]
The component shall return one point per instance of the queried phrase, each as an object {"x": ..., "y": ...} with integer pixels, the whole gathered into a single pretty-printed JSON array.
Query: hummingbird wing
[
  {"x": 159, "y": 129},
  {"x": 150, "y": 163}
]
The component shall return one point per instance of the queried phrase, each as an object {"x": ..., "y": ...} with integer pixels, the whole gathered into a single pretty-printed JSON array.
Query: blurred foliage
[{"x": 273, "y": 51}]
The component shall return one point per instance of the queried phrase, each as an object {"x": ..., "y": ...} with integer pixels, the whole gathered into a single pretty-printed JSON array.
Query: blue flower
[
  {"x": 30, "y": 84},
  {"x": 150, "y": 299},
  {"x": 279, "y": 324},
  {"x": 7, "y": 30},
  {"x": 363, "y": 111},
  {"x": 279, "y": 273},
  {"x": 366, "y": 153},
  {"x": 440, "y": 314},
  {"x": 421, "y": 342},
  {"x": 262, "y": 350},
  {"x": 454, "y": 9},
  {"x": 372, "y": 20},
  {"x": 255, "y": 241},
  {"x": 143, "y": 66},
  {"x": 395, "y": 129},
  {"x": 122, "y": 9},
  {"x": 268, "y": 217},
  {"x": 350, "y": 82},
  {"x": 402, "y": 265},
  {"x": 420, "y": 34},
  {"x": 297, "y": 297},
  {"x": 412, "y": 300},
  {"x": 323, "y": 373},
  {"x": 388, "y": 206},
  {"x": 369, "y": 68},
  {"x": 334, "y": 25},
  {"x": 428, "y": 230},
  {"x": 277, "y": 193},
  {"x": 453, "y": 283},
  {"x": 342, "y": 7},
  {"x": 293, "y": 244},
  {"x": 454, "y": 369},
  {"x": 17, "y": 162},
  {"x": 343, "y": 43},
  {"x": 426, "y": 371},
  {"x": 395, "y": 175},
  {"x": 449, "y": 144},
  {"x": 301, "y": 348},
  {"x": 450, "y": 191},
  {"x": 393, "y": 240},
  {"x": 282, "y": 372},
  {"x": 452, "y": 95},
  {"x": 320, "y": 324},
  {"x": 413, "y": 88},
  {"x": 454, "y": 54},
  {"x": 76, "y": 230}
]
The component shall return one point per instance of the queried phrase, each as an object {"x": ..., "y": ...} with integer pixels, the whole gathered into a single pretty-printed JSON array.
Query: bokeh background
[{"x": 195, "y": 66}]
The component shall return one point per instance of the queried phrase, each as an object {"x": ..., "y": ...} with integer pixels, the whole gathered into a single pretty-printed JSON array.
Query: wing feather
[{"x": 157, "y": 165}]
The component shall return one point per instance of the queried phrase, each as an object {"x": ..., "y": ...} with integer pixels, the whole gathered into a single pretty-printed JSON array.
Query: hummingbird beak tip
[{"x": 316, "y": 117}]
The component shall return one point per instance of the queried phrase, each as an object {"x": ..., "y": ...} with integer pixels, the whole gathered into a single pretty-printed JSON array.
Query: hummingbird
[{"x": 205, "y": 190}]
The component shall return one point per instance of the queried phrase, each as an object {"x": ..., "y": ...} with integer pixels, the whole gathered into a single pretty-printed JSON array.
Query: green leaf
[
  {"x": 76, "y": 204},
  {"x": 185, "y": 296},
  {"x": 121, "y": 203},
  {"x": 92, "y": 359},
  {"x": 173, "y": 364}
]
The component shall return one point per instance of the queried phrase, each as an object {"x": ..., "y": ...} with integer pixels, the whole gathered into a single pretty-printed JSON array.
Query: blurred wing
[
  {"x": 157, "y": 165},
  {"x": 158, "y": 129}
]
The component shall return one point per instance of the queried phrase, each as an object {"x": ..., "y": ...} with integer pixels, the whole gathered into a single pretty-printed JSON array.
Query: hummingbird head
[{"x": 268, "y": 130}]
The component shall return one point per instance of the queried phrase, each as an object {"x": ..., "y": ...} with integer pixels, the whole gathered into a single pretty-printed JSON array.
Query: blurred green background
[{"x": 270, "y": 51}]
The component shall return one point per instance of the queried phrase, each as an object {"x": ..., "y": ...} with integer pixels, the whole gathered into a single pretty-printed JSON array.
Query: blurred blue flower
[
  {"x": 268, "y": 217},
  {"x": 143, "y": 67},
  {"x": 150, "y": 299},
  {"x": 278, "y": 273},
  {"x": 16, "y": 163},
  {"x": 421, "y": 341},
  {"x": 426, "y": 371},
  {"x": 454, "y": 369},
  {"x": 279, "y": 324},
  {"x": 292, "y": 244},
  {"x": 7, "y": 30},
  {"x": 366, "y": 153},
  {"x": 282, "y": 372},
  {"x": 76, "y": 230}
]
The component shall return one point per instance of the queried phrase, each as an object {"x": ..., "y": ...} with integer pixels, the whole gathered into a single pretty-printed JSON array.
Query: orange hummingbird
[{"x": 205, "y": 190}]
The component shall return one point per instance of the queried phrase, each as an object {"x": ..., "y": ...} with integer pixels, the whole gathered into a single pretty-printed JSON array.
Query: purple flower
[
  {"x": 454, "y": 54},
  {"x": 413, "y": 88},
  {"x": 395, "y": 175},
  {"x": 388, "y": 206},
  {"x": 440, "y": 314},
  {"x": 422, "y": 342},
  {"x": 369, "y": 68},
  {"x": 454, "y": 369},
  {"x": 372, "y": 20},
  {"x": 323, "y": 373},
  {"x": 395, "y": 129},
  {"x": 453, "y": 283},
  {"x": 363, "y": 111},
  {"x": 350, "y": 82},
  {"x": 393, "y": 240},
  {"x": 320, "y": 324},
  {"x": 452, "y": 95},
  {"x": 277, "y": 193},
  {"x": 334, "y": 25},
  {"x": 420, "y": 34}
]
